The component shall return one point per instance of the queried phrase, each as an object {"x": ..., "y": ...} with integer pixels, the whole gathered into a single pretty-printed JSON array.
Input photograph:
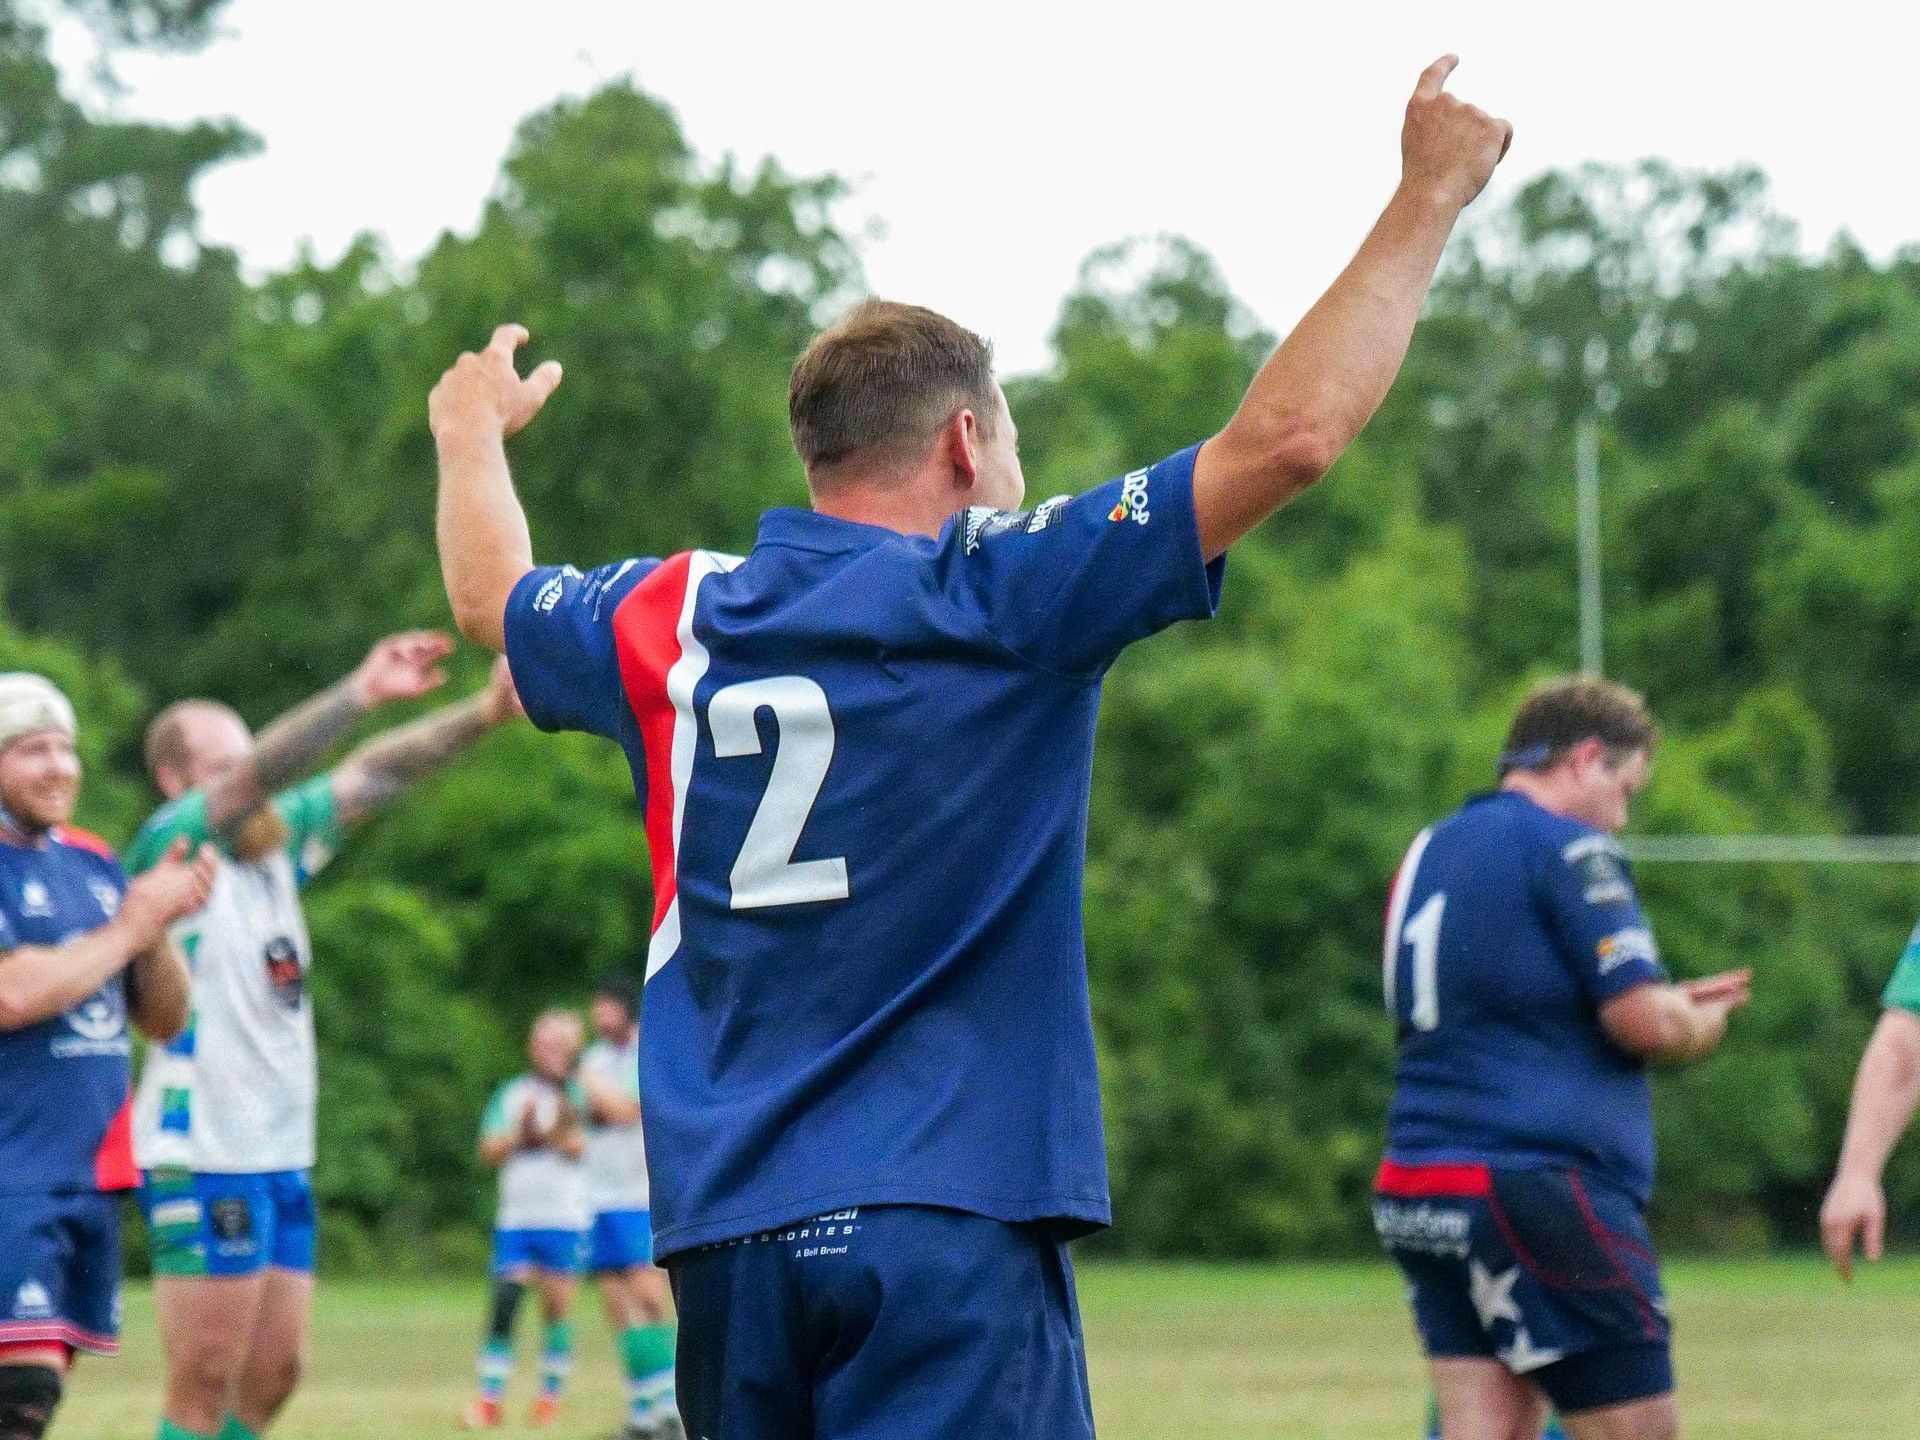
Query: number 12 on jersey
[{"x": 1419, "y": 933}]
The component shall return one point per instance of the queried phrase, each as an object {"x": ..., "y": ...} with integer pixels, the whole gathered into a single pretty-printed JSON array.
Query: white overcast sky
[{"x": 999, "y": 142}]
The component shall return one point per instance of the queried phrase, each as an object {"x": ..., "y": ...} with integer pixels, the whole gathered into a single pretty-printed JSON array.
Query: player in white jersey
[
  {"x": 533, "y": 1133},
  {"x": 224, "y": 1115},
  {"x": 634, "y": 1290}
]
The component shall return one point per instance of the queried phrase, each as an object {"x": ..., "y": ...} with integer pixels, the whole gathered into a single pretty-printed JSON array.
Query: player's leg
[
  {"x": 274, "y": 1362},
  {"x": 1480, "y": 1399},
  {"x": 744, "y": 1367},
  {"x": 512, "y": 1274},
  {"x": 638, "y": 1302},
  {"x": 1655, "y": 1418},
  {"x": 558, "y": 1281},
  {"x": 32, "y": 1377},
  {"x": 944, "y": 1326}
]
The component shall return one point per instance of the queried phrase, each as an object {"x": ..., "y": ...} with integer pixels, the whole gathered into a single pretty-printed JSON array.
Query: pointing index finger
[
  {"x": 1433, "y": 79},
  {"x": 508, "y": 338}
]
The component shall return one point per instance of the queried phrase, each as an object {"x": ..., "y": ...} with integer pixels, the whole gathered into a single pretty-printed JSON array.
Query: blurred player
[
  {"x": 1884, "y": 1095},
  {"x": 634, "y": 1291},
  {"x": 224, "y": 1119},
  {"x": 81, "y": 953},
  {"x": 1530, "y": 999},
  {"x": 533, "y": 1133},
  {"x": 864, "y": 754}
]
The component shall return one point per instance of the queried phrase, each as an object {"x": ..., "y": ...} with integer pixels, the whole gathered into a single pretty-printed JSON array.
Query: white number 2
[
  {"x": 1423, "y": 933},
  {"x": 766, "y": 872}
]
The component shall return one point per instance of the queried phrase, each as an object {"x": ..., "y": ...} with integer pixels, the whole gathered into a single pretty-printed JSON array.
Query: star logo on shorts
[
  {"x": 1523, "y": 1355},
  {"x": 1493, "y": 1294}
]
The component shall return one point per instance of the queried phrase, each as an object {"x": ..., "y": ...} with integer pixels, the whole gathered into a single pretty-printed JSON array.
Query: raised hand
[
  {"x": 172, "y": 890},
  {"x": 1855, "y": 1213},
  {"x": 402, "y": 667},
  {"x": 484, "y": 394},
  {"x": 1448, "y": 147}
]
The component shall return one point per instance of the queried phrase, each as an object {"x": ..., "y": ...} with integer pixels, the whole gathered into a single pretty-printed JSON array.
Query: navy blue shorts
[
  {"x": 1547, "y": 1271},
  {"x": 60, "y": 1271},
  {"x": 882, "y": 1323}
]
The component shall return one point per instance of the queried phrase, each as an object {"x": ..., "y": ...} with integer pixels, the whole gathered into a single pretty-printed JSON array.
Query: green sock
[
  {"x": 170, "y": 1431},
  {"x": 556, "y": 1361},
  {"x": 648, "y": 1352},
  {"x": 234, "y": 1430}
]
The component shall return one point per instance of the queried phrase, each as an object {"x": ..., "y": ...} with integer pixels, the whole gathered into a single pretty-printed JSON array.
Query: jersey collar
[{"x": 823, "y": 534}]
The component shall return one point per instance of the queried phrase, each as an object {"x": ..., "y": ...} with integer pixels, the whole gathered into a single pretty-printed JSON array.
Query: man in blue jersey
[
  {"x": 82, "y": 953},
  {"x": 864, "y": 755},
  {"x": 1530, "y": 1000}
]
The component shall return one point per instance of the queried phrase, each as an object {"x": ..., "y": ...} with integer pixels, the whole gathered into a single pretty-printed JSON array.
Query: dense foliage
[{"x": 217, "y": 486}]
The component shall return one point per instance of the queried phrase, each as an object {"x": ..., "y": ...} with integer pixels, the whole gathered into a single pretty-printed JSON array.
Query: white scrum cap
[{"x": 32, "y": 702}]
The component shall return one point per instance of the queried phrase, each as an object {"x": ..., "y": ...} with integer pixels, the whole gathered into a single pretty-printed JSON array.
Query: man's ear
[
  {"x": 1588, "y": 751},
  {"x": 960, "y": 447}
]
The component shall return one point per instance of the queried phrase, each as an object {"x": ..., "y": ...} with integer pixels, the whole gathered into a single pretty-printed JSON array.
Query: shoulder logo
[
  {"x": 35, "y": 899},
  {"x": 1133, "y": 500},
  {"x": 983, "y": 521},
  {"x": 32, "y": 1302},
  {"x": 548, "y": 595},
  {"x": 107, "y": 896}
]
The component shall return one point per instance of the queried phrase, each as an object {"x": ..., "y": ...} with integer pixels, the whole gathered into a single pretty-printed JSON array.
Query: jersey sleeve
[
  {"x": 1071, "y": 583},
  {"x": 559, "y": 626},
  {"x": 1903, "y": 987},
  {"x": 1595, "y": 913},
  {"x": 182, "y": 818},
  {"x": 312, "y": 817}
]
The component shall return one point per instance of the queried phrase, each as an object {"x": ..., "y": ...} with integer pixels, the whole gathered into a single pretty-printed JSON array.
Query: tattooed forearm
[
  {"x": 389, "y": 763},
  {"x": 292, "y": 745}
]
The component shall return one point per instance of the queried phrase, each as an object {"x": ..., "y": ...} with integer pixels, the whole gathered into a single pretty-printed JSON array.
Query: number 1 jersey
[
  {"x": 864, "y": 760},
  {"x": 1507, "y": 929}
]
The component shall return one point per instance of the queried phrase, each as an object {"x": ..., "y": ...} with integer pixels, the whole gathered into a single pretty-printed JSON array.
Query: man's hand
[
  {"x": 1729, "y": 990},
  {"x": 402, "y": 667},
  {"x": 484, "y": 396},
  {"x": 500, "y": 702},
  {"x": 1855, "y": 1213},
  {"x": 173, "y": 889},
  {"x": 1449, "y": 148}
]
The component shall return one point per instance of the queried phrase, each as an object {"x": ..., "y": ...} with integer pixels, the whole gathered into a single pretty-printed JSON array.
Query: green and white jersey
[
  {"x": 616, "y": 1158},
  {"x": 540, "y": 1189},
  {"x": 1903, "y": 989},
  {"x": 234, "y": 1094}
]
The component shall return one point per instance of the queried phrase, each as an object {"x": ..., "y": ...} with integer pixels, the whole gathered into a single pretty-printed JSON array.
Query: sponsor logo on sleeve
[
  {"x": 35, "y": 899},
  {"x": 1623, "y": 947},
  {"x": 1601, "y": 868},
  {"x": 983, "y": 522},
  {"x": 1044, "y": 513},
  {"x": 548, "y": 595},
  {"x": 1133, "y": 500},
  {"x": 107, "y": 896}
]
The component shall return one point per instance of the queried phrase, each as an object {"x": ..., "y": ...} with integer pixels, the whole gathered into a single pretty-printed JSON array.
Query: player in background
[
  {"x": 82, "y": 952},
  {"x": 533, "y": 1133},
  {"x": 1884, "y": 1095},
  {"x": 224, "y": 1115},
  {"x": 635, "y": 1293},
  {"x": 864, "y": 755},
  {"x": 1530, "y": 1000}
]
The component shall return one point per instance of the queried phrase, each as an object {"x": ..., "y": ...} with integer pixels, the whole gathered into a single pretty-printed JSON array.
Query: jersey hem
[{"x": 1094, "y": 1212}]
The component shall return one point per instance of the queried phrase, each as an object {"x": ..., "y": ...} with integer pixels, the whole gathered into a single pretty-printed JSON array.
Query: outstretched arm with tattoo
[
  {"x": 387, "y": 764},
  {"x": 400, "y": 667}
]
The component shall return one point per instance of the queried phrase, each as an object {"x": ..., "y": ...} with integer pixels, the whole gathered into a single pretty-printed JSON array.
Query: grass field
[{"x": 1766, "y": 1351}]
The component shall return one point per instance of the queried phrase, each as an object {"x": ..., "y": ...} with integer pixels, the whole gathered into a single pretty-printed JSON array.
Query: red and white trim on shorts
[
  {"x": 55, "y": 1332},
  {"x": 661, "y": 664}
]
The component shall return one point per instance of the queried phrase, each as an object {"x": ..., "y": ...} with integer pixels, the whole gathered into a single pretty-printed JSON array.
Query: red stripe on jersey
[
  {"x": 83, "y": 840},
  {"x": 113, "y": 1167},
  {"x": 1452, "y": 1182},
  {"x": 646, "y": 639}
]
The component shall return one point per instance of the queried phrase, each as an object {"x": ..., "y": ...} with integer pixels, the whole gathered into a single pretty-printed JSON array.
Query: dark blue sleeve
[
  {"x": 560, "y": 644},
  {"x": 1591, "y": 904},
  {"x": 1069, "y": 584}
]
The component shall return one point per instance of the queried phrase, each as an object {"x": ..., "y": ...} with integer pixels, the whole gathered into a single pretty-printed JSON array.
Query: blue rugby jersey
[
  {"x": 864, "y": 760},
  {"x": 64, "y": 1081},
  {"x": 1508, "y": 928}
]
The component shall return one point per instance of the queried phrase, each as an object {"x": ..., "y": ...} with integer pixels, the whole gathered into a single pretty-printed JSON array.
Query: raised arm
[
  {"x": 38, "y": 982},
  {"x": 159, "y": 990},
  {"x": 484, "y": 544},
  {"x": 387, "y": 764},
  {"x": 1323, "y": 384},
  {"x": 400, "y": 667},
  {"x": 1885, "y": 1093}
]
